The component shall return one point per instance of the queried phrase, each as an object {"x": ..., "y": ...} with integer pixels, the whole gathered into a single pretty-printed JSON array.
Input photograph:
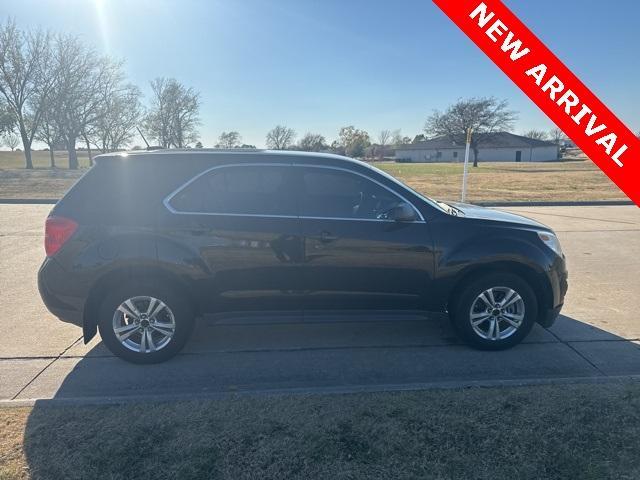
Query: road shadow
[
  {"x": 310, "y": 354},
  {"x": 277, "y": 352}
]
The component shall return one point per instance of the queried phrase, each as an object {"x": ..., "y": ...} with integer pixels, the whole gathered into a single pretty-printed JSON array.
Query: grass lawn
[
  {"x": 561, "y": 431},
  {"x": 12, "y": 160},
  {"x": 558, "y": 181},
  {"x": 41, "y": 182},
  {"x": 555, "y": 181}
]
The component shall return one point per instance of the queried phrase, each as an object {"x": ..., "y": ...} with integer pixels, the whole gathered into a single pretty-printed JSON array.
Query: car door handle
[{"x": 324, "y": 237}]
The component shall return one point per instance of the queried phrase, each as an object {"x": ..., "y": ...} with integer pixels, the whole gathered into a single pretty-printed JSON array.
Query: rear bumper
[{"x": 57, "y": 295}]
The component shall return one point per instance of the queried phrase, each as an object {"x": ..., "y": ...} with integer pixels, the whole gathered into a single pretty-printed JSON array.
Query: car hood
[{"x": 483, "y": 213}]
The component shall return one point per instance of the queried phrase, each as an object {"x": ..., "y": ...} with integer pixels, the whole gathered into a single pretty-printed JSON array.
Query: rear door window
[{"x": 239, "y": 190}]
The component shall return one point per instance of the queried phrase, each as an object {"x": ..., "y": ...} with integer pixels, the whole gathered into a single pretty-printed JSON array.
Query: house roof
[{"x": 488, "y": 140}]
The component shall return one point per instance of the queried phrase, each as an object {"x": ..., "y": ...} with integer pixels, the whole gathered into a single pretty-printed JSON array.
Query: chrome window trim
[{"x": 167, "y": 201}]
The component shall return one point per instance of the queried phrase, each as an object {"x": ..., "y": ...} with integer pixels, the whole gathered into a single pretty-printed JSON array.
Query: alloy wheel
[
  {"x": 497, "y": 313},
  {"x": 144, "y": 324}
]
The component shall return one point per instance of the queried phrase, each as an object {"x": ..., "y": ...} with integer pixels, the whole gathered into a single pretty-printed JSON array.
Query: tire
[
  {"x": 165, "y": 333},
  {"x": 503, "y": 327}
]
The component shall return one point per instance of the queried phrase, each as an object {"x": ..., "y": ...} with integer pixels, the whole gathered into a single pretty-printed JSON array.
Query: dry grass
[
  {"x": 42, "y": 182},
  {"x": 557, "y": 181},
  {"x": 13, "y": 160},
  {"x": 562, "y": 431}
]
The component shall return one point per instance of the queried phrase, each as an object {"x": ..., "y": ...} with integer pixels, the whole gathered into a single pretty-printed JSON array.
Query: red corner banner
[{"x": 551, "y": 86}]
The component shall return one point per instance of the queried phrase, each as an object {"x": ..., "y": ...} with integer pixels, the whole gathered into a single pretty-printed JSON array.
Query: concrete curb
[
  {"x": 594, "y": 203},
  {"x": 29, "y": 201},
  {"x": 411, "y": 387}
]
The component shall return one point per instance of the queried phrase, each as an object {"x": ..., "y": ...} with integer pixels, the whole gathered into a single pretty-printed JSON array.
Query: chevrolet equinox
[{"x": 144, "y": 243}]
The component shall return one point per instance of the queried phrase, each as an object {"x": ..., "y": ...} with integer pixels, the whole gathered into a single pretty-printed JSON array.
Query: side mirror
[{"x": 403, "y": 212}]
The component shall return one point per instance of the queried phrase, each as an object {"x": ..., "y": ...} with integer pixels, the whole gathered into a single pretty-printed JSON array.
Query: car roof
[
  {"x": 219, "y": 152},
  {"x": 192, "y": 158}
]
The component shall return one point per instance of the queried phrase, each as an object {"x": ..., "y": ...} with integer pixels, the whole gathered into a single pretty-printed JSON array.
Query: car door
[
  {"x": 241, "y": 222},
  {"x": 355, "y": 257}
]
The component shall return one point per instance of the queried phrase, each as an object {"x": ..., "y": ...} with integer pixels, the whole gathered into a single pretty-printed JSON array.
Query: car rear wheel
[
  {"x": 143, "y": 322},
  {"x": 495, "y": 312}
]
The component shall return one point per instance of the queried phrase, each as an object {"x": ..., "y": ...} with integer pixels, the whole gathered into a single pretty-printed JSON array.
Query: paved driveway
[{"x": 597, "y": 336}]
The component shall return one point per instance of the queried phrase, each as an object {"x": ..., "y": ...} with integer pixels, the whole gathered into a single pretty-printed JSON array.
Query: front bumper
[
  {"x": 549, "y": 316},
  {"x": 558, "y": 278}
]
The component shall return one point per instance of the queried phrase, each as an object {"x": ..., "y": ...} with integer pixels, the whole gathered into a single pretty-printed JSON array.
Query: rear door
[
  {"x": 241, "y": 221},
  {"x": 354, "y": 257}
]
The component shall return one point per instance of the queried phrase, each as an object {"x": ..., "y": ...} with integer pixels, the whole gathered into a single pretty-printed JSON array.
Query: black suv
[{"x": 146, "y": 242}]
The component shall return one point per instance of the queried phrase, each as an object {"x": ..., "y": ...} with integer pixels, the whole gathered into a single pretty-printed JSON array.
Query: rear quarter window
[{"x": 114, "y": 191}]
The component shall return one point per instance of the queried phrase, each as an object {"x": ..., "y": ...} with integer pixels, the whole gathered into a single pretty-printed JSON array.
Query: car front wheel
[
  {"x": 495, "y": 312},
  {"x": 143, "y": 322}
]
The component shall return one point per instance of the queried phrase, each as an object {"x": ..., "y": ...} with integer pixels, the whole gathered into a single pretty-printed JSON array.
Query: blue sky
[{"x": 317, "y": 65}]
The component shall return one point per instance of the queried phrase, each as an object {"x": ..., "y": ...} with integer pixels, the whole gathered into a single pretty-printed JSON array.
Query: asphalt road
[{"x": 597, "y": 336}]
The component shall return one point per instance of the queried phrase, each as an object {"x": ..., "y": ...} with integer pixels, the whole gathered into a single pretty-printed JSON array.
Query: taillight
[{"x": 57, "y": 231}]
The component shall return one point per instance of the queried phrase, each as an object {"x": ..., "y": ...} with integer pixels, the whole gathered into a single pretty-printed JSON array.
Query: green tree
[{"x": 353, "y": 141}]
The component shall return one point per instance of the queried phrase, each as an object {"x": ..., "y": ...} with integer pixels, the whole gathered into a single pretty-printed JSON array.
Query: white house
[{"x": 494, "y": 147}]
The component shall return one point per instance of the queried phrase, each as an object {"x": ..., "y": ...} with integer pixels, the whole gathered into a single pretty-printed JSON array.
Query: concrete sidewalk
[{"x": 597, "y": 336}]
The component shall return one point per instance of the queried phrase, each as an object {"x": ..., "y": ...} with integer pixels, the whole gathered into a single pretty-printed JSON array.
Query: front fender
[
  {"x": 488, "y": 249},
  {"x": 484, "y": 250}
]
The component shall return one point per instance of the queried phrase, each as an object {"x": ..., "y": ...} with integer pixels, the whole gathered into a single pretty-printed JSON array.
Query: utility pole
[{"x": 466, "y": 166}]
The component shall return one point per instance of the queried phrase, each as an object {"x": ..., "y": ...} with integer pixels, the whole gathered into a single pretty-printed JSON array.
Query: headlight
[{"x": 551, "y": 241}]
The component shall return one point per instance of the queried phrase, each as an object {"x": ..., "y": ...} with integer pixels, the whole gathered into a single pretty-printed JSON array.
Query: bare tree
[
  {"x": 536, "y": 134},
  {"x": 11, "y": 140},
  {"x": 280, "y": 137},
  {"x": 398, "y": 139},
  {"x": 84, "y": 84},
  {"x": 7, "y": 120},
  {"x": 312, "y": 142},
  {"x": 557, "y": 136},
  {"x": 48, "y": 133},
  {"x": 384, "y": 137},
  {"x": 485, "y": 116},
  {"x": 229, "y": 140},
  {"x": 173, "y": 118},
  {"x": 115, "y": 127},
  {"x": 25, "y": 71}
]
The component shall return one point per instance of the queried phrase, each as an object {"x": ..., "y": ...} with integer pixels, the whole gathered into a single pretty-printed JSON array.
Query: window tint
[
  {"x": 239, "y": 190},
  {"x": 338, "y": 194}
]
